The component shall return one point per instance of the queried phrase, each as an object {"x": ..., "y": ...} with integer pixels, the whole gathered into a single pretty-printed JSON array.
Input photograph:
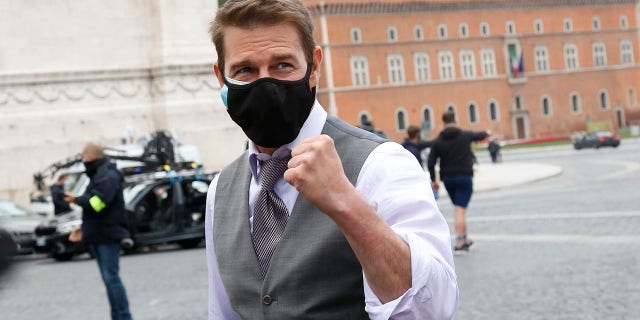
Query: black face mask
[
  {"x": 92, "y": 166},
  {"x": 271, "y": 112}
]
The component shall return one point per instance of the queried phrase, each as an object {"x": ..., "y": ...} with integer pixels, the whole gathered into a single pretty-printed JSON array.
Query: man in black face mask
[
  {"x": 103, "y": 223},
  {"x": 317, "y": 219}
]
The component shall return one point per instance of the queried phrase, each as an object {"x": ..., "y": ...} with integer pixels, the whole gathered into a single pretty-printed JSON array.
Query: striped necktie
[{"x": 270, "y": 214}]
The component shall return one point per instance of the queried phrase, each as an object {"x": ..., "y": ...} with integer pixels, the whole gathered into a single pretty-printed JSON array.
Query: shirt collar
[{"x": 311, "y": 127}]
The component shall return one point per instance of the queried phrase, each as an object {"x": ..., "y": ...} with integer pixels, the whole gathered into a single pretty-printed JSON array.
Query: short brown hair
[
  {"x": 413, "y": 132},
  {"x": 449, "y": 117},
  {"x": 255, "y": 13}
]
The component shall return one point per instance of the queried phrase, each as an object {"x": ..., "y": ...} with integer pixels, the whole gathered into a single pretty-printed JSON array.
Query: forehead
[{"x": 261, "y": 43}]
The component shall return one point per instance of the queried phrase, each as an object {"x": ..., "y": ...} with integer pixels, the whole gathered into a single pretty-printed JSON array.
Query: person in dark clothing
[
  {"x": 414, "y": 145},
  {"x": 57, "y": 195},
  {"x": 453, "y": 150},
  {"x": 494, "y": 150},
  {"x": 104, "y": 223}
]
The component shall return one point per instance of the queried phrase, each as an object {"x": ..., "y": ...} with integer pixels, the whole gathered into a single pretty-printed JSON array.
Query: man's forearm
[{"x": 384, "y": 256}]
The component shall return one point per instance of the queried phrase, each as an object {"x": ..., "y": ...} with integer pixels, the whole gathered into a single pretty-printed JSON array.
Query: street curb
[{"x": 554, "y": 172}]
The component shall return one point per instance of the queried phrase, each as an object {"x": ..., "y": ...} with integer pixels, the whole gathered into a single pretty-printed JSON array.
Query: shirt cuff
[{"x": 421, "y": 265}]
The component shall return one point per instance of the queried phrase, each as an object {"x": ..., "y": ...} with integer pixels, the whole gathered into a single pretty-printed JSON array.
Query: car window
[
  {"x": 132, "y": 191},
  {"x": 75, "y": 182},
  {"x": 8, "y": 208}
]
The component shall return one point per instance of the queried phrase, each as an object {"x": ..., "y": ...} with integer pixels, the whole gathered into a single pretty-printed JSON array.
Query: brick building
[{"x": 520, "y": 68}]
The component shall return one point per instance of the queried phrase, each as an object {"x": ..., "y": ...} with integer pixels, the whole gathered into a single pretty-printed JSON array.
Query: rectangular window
[
  {"x": 541, "y": 58},
  {"x": 599, "y": 54},
  {"x": 488, "y": 60},
  {"x": 626, "y": 52},
  {"x": 396, "y": 68},
  {"x": 421, "y": 63},
  {"x": 570, "y": 56},
  {"x": 467, "y": 64},
  {"x": 447, "y": 71},
  {"x": 359, "y": 71}
]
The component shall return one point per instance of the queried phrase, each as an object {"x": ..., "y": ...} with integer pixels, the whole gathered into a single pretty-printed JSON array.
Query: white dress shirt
[{"x": 400, "y": 191}]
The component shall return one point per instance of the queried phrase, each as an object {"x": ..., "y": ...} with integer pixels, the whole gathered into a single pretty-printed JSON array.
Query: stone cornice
[
  {"x": 350, "y": 8},
  {"x": 79, "y": 87},
  {"x": 103, "y": 75}
]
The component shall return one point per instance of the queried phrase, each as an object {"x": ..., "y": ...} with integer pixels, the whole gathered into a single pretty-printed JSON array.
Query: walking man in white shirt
[{"x": 317, "y": 219}]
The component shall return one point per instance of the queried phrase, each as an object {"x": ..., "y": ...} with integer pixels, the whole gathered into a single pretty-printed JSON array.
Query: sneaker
[
  {"x": 462, "y": 249},
  {"x": 126, "y": 243}
]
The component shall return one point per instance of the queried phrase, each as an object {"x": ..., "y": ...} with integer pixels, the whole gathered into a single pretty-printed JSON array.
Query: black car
[
  {"x": 596, "y": 140},
  {"x": 19, "y": 223},
  {"x": 162, "y": 208}
]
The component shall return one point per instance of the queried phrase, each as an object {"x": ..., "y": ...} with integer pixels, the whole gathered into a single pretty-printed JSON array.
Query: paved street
[
  {"x": 562, "y": 248},
  {"x": 566, "y": 247}
]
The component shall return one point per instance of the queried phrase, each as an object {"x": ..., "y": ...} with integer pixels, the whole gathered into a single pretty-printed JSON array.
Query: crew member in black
[
  {"x": 453, "y": 149},
  {"x": 57, "y": 195},
  {"x": 414, "y": 145},
  {"x": 104, "y": 223}
]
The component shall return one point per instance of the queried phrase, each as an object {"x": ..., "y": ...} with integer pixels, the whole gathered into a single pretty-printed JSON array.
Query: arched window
[
  {"x": 595, "y": 23},
  {"x": 419, "y": 34},
  {"x": 392, "y": 34},
  {"x": 623, "y": 22},
  {"x": 568, "y": 25},
  {"x": 633, "y": 98},
  {"x": 517, "y": 102},
  {"x": 493, "y": 111},
  {"x": 452, "y": 108},
  {"x": 442, "y": 31},
  {"x": 537, "y": 26},
  {"x": 401, "y": 120},
  {"x": 464, "y": 30},
  {"x": 604, "y": 100},
  {"x": 575, "y": 103},
  {"x": 484, "y": 29},
  {"x": 472, "y": 112},
  {"x": 511, "y": 27},
  {"x": 546, "y": 106},
  {"x": 356, "y": 35},
  {"x": 364, "y": 118},
  {"x": 427, "y": 118}
]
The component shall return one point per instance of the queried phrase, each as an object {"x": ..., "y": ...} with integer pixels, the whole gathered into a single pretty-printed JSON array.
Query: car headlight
[{"x": 66, "y": 227}]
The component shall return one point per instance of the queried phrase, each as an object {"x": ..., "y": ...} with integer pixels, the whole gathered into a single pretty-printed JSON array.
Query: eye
[
  {"x": 284, "y": 65},
  {"x": 244, "y": 70}
]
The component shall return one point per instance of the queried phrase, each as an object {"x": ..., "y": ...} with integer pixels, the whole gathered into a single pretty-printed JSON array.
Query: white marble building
[{"x": 71, "y": 71}]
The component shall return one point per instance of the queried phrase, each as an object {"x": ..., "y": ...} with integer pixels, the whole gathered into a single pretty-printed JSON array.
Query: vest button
[{"x": 266, "y": 299}]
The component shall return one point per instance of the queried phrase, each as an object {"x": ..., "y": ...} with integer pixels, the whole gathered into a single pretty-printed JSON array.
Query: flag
[
  {"x": 520, "y": 66},
  {"x": 517, "y": 63}
]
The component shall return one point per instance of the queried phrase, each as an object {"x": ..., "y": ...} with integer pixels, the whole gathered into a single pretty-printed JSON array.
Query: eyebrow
[
  {"x": 284, "y": 56},
  {"x": 249, "y": 62},
  {"x": 239, "y": 64}
]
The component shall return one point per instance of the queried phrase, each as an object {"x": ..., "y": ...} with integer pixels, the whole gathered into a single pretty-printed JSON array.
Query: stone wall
[{"x": 73, "y": 71}]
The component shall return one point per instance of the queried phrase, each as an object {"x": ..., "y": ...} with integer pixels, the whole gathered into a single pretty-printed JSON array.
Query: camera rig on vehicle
[{"x": 158, "y": 155}]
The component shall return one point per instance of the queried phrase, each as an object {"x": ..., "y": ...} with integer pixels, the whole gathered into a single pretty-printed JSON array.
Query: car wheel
[
  {"x": 62, "y": 256},
  {"x": 189, "y": 243}
]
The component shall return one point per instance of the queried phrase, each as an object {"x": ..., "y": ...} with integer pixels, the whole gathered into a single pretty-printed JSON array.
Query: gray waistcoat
[{"x": 313, "y": 273}]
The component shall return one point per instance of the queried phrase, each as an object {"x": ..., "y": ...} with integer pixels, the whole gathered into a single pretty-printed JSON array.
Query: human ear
[{"x": 218, "y": 72}]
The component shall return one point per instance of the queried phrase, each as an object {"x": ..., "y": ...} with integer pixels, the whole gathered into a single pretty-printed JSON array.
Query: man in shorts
[{"x": 453, "y": 148}]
